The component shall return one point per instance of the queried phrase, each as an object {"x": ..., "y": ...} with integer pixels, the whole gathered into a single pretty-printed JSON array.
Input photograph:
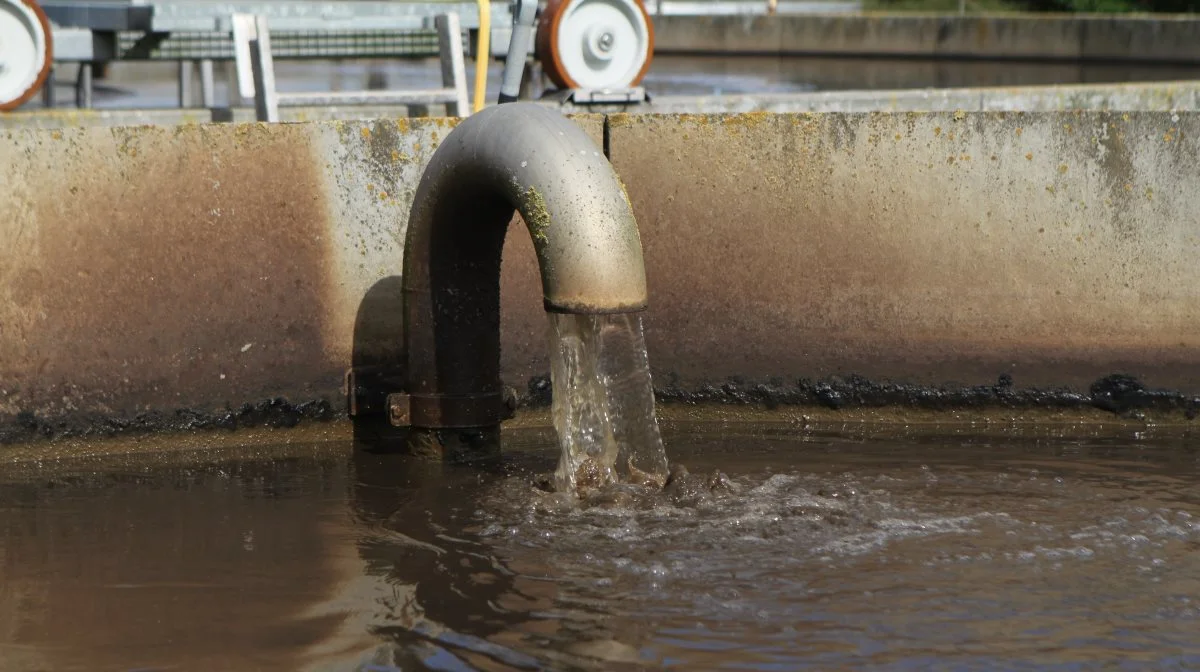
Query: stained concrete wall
[
  {"x": 1164, "y": 96},
  {"x": 1138, "y": 96},
  {"x": 1162, "y": 38},
  {"x": 1057, "y": 248},
  {"x": 173, "y": 116},
  {"x": 155, "y": 269},
  {"x": 202, "y": 267}
]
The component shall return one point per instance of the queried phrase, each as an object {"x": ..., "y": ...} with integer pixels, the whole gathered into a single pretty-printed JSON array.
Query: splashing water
[{"x": 603, "y": 402}]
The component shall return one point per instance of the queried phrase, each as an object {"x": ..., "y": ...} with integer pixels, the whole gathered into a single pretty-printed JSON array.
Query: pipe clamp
[{"x": 451, "y": 411}]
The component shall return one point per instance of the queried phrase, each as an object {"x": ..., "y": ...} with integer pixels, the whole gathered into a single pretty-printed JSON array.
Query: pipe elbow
[{"x": 528, "y": 158}]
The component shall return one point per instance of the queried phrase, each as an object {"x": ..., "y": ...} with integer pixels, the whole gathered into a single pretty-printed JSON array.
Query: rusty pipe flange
[
  {"x": 595, "y": 44},
  {"x": 26, "y": 51}
]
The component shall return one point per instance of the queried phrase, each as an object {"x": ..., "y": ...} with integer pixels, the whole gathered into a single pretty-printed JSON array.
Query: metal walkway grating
[{"x": 287, "y": 45}]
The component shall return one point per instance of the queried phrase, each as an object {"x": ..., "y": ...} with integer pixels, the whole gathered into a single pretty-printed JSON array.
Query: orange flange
[
  {"x": 546, "y": 46},
  {"x": 40, "y": 80}
]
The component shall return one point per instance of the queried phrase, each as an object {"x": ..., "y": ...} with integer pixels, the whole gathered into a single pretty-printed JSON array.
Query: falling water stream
[{"x": 603, "y": 402}]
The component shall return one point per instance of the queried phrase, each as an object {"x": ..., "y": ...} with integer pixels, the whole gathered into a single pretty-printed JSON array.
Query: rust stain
[{"x": 191, "y": 270}]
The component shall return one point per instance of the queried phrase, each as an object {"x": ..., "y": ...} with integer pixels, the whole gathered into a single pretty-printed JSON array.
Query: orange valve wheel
[
  {"x": 595, "y": 44},
  {"x": 26, "y": 52}
]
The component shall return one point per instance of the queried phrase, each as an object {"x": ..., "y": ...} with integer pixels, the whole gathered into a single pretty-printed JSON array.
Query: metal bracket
[
  {"x": 451, "y": 411},
  {"x": 145, "y": 45},
  {"x": 632, "y": 96},
  {"x": 368, "y": 393}
]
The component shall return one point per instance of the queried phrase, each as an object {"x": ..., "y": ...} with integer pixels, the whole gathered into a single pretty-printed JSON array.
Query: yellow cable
[{"x": 482, "y": 47}]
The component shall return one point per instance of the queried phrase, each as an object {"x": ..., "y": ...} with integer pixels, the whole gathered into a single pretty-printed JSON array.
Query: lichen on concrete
[{"x": 533, "y": 210}]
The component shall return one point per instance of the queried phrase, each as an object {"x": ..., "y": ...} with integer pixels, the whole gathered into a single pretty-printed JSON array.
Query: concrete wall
[
  {"x": 153, "y": 269},
  {"x": 1166, "y": 96},
  {"x": 1057, "y": 248},
  {"x": 149, "y": 269},
  {"x": 173, "y": 116},
  {"x": 1165, "y": 39},
  {"x": 1140, "y": 96}
]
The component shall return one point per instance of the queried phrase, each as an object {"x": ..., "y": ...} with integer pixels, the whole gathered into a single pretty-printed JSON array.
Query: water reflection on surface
[
  {"x": 816, "y": 551},
  {"x": 152, "y": 85},
  {"x": 701, "y": 75}
]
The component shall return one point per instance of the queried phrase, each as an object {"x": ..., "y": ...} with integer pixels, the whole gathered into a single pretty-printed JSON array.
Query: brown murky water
[{"x": 818, "y": 551}]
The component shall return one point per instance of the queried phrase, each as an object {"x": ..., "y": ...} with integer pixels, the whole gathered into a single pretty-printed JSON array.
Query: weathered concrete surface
[
  {"x": 150, "y": 269},
  {"x": 1143, "y": 96},
  {"x": 157, "y": 267},
  {"x": 1165, "y": 96},
  {"x": 177, "y": 272},
  {"x": 929, "y": 248},
  {"x": 72, "y": 118},
  {"x": 1159, "y": 38}
]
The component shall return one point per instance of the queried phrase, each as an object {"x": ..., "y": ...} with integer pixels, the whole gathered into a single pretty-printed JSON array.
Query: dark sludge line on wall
[
  {"x": 1118, "y": 394},
  {"x": 1122, "y": 395},
  {"x": 273, "y": 413}
]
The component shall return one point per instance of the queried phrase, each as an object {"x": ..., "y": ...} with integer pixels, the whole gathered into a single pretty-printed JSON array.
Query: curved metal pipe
[{"x": 531, "y": 159}]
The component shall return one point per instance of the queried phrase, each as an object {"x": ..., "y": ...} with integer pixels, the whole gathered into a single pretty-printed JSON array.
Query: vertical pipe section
[
  {"x": 266, "y": 99},
  {"x": 207, "y": 96},
  {"x": 83, "y": 86},
  {"x": 482, "y": 46},
  {"x": 49, "y": 96},
  {"x": 185, "y": 84},
  {"x": 518, "y": 48},
  {"x": 241, "y": 85},
  {"x": 454, "y": 71}
]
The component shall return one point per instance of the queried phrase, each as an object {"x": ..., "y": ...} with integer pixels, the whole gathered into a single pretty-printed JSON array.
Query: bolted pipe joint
[{"x": 519, "y": 157}]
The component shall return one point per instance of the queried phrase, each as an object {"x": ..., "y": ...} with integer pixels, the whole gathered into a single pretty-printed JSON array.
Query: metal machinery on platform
[
  {"x": 592, "y": 50},
  {"x": 26, "y": 51},
  {"x": 595, "y": 44}
]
